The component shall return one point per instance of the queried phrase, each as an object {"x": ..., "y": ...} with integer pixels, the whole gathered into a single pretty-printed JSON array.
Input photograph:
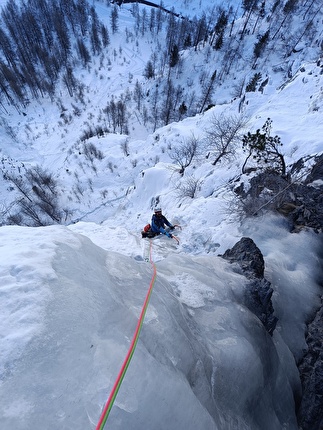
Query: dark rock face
[
  {"x": 310, "y": 412},
  {"x": 258, "y": 292},
  {"x": 309, "y": 199},
  {"x": 301, "y": 201},
  {"x": 249, "y": 256},
  {"x": 317, "y": 170}
]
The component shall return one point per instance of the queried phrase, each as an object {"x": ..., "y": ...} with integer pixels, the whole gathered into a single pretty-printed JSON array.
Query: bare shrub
[
  {"x": 110, "y": 166},
  {"x": 91, "y": 152},
  {"x": 188, "y": 187},
  {"x": 125, "y": 148}
]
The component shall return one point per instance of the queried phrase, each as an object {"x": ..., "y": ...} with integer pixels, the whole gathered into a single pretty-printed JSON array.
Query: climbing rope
[{"x": 125, "y": 365}]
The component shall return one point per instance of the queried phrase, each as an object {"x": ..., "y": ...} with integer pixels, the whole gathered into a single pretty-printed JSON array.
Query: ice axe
[{"x": 175, "y": 238}]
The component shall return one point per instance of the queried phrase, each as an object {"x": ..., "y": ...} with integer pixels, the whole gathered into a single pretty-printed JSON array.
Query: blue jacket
[{"x": 158, "y": 224}]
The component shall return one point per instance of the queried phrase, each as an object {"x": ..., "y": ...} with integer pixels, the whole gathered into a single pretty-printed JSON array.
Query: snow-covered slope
[{"x": 71, "y": 295}]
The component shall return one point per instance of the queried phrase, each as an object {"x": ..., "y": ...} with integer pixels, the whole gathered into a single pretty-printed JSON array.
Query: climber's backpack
[{"x": 147, "y": 231}]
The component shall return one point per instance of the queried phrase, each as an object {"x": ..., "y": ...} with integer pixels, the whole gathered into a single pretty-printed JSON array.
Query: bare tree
[
  {"x": 238, "y": 87},
  {"x": 155, "y": 107},
  {"x": 249, "y": 6},
  {"x": 138, "y": 95},
  {"x": 38, "y": 198},
  {"x": 20, "y": 184},
  {"x": 223, "y": 135},
  {"x": 207, "y": 91},
  {"x": 168, "y": 107},
  {"x": 184, "y": 153}
]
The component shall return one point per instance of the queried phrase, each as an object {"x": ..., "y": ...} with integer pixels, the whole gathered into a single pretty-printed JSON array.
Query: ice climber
[{"x": 158, "y": 224}]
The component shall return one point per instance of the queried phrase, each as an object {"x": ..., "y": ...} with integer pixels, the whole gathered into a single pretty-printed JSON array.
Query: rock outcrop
[
  {"x": 298, "y": 196},
  {"x": 257, "y": 296},
  {"x": 310, "y": 411}
]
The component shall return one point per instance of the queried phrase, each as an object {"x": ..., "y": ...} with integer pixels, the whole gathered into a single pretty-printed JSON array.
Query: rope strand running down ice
[{"x": 125, "y": 365}]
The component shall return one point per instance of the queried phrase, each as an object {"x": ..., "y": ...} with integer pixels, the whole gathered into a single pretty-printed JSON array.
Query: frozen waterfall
[{"x": 203, "y": 360}]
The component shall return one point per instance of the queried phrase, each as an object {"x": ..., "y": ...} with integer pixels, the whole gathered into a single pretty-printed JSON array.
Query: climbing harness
[{"x": 125, "y": 365}]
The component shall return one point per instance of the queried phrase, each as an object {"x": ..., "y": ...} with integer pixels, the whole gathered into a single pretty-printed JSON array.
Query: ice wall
[{"x": 203, "y": 360}]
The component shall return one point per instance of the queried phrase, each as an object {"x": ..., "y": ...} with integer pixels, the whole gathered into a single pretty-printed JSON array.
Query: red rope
[{"x": 125, "y": 365}]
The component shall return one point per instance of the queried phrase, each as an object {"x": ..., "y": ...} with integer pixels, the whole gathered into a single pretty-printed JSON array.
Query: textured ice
[{"x": 203, "y": 360}]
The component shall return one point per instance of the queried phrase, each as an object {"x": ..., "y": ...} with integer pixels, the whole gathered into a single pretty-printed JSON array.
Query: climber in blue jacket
[{"x": 158, "y": 222}]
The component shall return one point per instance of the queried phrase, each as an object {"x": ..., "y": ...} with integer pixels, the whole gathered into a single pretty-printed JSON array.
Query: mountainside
[
  {"x": 71, "y": 137},
  {"x": 214, "y": 113}
]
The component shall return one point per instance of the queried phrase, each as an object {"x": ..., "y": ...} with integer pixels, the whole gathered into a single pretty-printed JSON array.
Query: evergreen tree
[
  {"x": 159, "y": 19},
  {"x": 174, "y": 56},
  {"x": 219, "y": 41},
  {"x": 82, "y": 12},
  {"x": 260, "y": 45},
  {"x": 62, "y": 34},
  {"x": 172, "y": 31},
  {"x": 121, "y": 116},
  {"x": 152, "y": 20},
  {"x": 13, "y": 87},
  {"x": 70, "y": 80},
  {"x": 201, "y": 31},
  {"x": 168, "y": 103},
  {"x": 105, "y": 36},
  {"x": 6, "y": 47},
  {"x": 182, "y": 110},
  {"x": 265, "y": 149},
  {"x": 221, "y": 23},
  {"x": 155, "y": 107},
  {"x": 188, "y": 41},
  {"x": 114, "y": 17},
  {"x": 95, "y": 39},
  {"x": 83, "y": 51},
  {"x": 252, "y": 85},
  {"x": 290, "y": 6},
  {"x": 149, "y": 71},
  {"x": 144, "y": 23}
]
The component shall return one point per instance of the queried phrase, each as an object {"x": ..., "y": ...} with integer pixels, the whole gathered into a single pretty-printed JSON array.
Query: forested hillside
[
  {"x": 126, "y": 68},
  {"x": 45, "y": 44}
]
